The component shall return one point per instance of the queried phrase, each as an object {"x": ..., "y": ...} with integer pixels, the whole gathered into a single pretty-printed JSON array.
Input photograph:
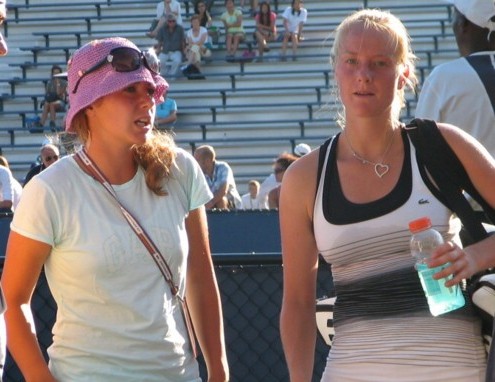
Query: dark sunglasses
[
  {"x": 278, "y": 170},
  {"x": 124, "y": 60},
  {"x": 49, "y": 158}
]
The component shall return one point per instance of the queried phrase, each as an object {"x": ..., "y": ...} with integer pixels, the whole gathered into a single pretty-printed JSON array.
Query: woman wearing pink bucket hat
[{"x": 120, "y": 315}]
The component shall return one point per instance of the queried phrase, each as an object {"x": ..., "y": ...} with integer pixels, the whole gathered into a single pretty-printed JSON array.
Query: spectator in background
[
  {"x": 6, "y": 190},
  {"x": 3, "y": 15},
  {"x": 266, "y": 28},
  {"x": 196, "y": 39},
  {"x": 172, "y": 47},
  {"x": 208, "y": 3},
  {"x": 281, "y": 165},
  {"x": 16, "y": 186},
  {"x": 234, "y": 30},
  {"x": 253, "y": 5},
  {"x": 163, "y": 10},
  {"x": 294, "y": 18},
  {"x": 271, "y": 182},
  {"x": 220, "y": 178},
  {"x": 250, "y": 200},
  {"x": 206, "y": 21},
  {"x": 466, "y": 101},
  {"x": 166, "y": 114},
  {"x": 49, "y": 154},
  {"x": 55, "y": 98},
  {"x": 200, "y": 9}
]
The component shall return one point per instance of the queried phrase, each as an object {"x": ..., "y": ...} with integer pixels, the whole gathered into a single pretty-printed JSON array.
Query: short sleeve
[
  {"x": 304, "y": 15},
  {"x": 192, "y": 179},
  {"x": 36, "y": 214}
]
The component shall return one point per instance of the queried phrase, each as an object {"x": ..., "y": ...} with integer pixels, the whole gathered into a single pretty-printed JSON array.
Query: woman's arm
[
  {"x": 480, "y": 166},
  {"x": 24, "y": 260},
  {"x": 300, "y": 264},
  {"x": 204, "y": 298}
]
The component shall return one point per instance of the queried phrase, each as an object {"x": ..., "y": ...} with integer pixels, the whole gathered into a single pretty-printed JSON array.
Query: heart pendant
[{"x": 381, "y": 169}]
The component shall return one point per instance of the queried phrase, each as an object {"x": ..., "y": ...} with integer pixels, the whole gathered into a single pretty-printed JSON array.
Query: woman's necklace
[{"x": 380, "y": 168}]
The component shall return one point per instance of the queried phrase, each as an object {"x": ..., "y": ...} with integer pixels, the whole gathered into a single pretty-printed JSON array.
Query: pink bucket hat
[{"x": 105, "y": 80}]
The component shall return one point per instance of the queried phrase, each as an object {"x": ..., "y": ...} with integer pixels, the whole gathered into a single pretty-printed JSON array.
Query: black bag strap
[
  {"x": 484, "y": 66},
  {"x": 449, "y": 174}
]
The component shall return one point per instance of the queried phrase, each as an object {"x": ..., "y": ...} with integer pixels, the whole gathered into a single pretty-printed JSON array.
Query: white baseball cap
[
  {"x": 479, "y": 12},
  {"x": 302, "y": 149}
]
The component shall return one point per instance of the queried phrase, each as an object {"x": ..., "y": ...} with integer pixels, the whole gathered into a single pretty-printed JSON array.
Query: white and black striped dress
[{"x": 384, "y": 330}]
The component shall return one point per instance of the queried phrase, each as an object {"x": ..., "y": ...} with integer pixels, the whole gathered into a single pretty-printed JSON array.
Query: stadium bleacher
[{"x": 250, "y": 111}]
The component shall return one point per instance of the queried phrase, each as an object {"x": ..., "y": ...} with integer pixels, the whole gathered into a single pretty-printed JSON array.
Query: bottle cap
[{"x": 420, "y": 224}]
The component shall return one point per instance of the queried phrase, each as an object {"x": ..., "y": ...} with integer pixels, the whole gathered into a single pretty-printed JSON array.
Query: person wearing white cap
[
  {"x": 302, "y": 149},
  {"x": 458, "y": 91}
]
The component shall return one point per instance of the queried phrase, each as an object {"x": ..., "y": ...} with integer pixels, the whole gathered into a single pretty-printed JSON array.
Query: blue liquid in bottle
[{"x": 424, "y": 240}]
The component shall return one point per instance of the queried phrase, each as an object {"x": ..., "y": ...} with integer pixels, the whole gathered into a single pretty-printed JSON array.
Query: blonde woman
[{"x": 355, "y": 213}]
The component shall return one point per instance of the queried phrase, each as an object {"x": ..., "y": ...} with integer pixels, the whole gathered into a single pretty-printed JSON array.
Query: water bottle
[{"x": 424, "y": 240}]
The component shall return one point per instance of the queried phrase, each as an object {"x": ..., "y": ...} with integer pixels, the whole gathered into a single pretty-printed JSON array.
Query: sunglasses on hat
[{"x": 124, "y": 60}]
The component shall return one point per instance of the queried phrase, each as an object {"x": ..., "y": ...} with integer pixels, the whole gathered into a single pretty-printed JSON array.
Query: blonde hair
[
  {"x": 383, "y": 21},
  {"x": 156, "y": 156}
]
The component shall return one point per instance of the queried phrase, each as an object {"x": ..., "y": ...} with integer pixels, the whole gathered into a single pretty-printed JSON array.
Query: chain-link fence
[{"x": 251, "y": 289}]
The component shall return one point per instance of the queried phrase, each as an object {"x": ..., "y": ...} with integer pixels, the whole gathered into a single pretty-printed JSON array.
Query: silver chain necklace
[{"x": 380, "y": 168}]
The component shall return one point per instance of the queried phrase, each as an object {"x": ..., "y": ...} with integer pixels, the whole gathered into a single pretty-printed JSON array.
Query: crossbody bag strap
[
  {"x": 484, "y": 65},
  {"x": 440, "y": 161},
  {"x": 89, "y": 166}
]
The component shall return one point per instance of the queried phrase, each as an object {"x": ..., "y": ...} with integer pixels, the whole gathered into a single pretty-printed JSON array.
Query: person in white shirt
[
  {"x": 454, "y": 92},
  {"x": 294, "y": 18},
  {"x": 250, "y": 200},
  {"x": 16, "y": 186},
  {"x": 163, "y": 9}
]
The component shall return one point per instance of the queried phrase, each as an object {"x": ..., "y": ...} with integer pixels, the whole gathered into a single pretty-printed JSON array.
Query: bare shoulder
[
  {"x": 464, "y": 145},
  {"x": 299, "y": 182}
]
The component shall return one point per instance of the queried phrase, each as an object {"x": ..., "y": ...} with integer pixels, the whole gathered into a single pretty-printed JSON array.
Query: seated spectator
[
  {"x": 271, "y": 181},
  {"x": 166, "y": 114},
  {"x": 49, "y": 154},
  {"x": 281, "y": 165},
  {"x": 250, "y": 200},
  {"x": 7, "y": 192},
  {"x": 206, "y": 21},
  {"x": 55, "y": 98},
  {"x": 163, "y": 10},
  {"x": 266, "y": 29},
  {"x": 234, "y": 30},
  {"x": 200, "y": 9},
  {"x": 294, "y": 18},
  {"x": 171, "y": 48},
  {"x": 253, "y": 5},
  {"x": 196, "y": 38},
  {"x": 3, "y": 15},
  {"x": 208, "y": 3},
  {"x": 220, "y": 179},
  {"x": 16, "y": 186}
]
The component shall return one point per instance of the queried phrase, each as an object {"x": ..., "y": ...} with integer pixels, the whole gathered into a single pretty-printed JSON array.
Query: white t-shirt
[
  {"x": 174, "y": 6},
  {"x": 454, "y": 93},
  {"x": 295, "y": 19},
  {"x": 6, "y": 184},
  {"x": 116, "y": 320},
  {"x": 249, "y": 203},
  {"x": 196, "y": 39}
]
